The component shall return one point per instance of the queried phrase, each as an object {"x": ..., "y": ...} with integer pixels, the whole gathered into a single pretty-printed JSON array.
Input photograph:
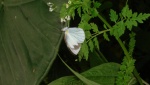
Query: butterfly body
[{"x": 73, "y": 38}]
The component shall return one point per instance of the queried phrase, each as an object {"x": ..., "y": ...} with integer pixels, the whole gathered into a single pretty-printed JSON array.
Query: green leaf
[
  {"x": 87, "y": 34},
  {"x": 94, "y": 27},
  {"x": 132, "y": 21},
  {"x": 129, "y": 13},
  {"x": 103, "y": 74},
  {"x": 94, "y": 12},
  {"x": 85, "y": 17},
  {"x": 132, "y": 43},
  {"x": 129, "y": 24},
  {"x": 27, "y": 49},
  {"x": 84, "y": 52},
  {"x": 105, "y": 26},
  {"x": 125, "y": 74},
  {"x": 125, "y": 11},
  {"x": 16, "y": 2},
  {"x": 113, "y": 16},
  {"x": 79, "y": 11},
  {"x": 106, "y": 36},
  {"x": 86, "y": 26},
  {"x": 96, "y": 43},
  {"x": 142, "y": 17},
  {"x": 96, "y": 4},
  {"x": 91, "y": 45},
  {"x": 118, "y": 29}
]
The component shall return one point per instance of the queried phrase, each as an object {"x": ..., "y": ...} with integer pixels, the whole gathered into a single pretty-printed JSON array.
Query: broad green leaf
[
  {"x": 16, "y": 2},
  {"x": 27, "y": 47},
  {"x": 103, "y": 74}
]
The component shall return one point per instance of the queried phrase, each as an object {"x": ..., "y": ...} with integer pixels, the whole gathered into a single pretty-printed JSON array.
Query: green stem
[
  {"x": 101, "y": 32},
  {"x": 123, "y": 48},
  {"x": 136, "y": 74}
]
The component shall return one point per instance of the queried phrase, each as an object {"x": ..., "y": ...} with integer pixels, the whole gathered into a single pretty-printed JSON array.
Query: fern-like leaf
[
  {"x": 132, "y": 43},
  {"x": 105, "y": 35},
  {"x": 91, "y": 45},
  {"x": 113, "y": 16},
  {"x": 96, "y": 43},
  {"x": 94, "y": 27}
]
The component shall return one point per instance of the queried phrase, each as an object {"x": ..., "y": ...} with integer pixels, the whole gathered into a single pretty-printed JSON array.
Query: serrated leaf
[
  {"x": 134, "y": 23},
  {"x": 125, "y": 73},
  {"x": 129, "y": 13},
  {"x": 113, "y": 16},
  {"x": 87, "y": 34},
  {"x": 128, "y": 24},
  {"x": 106, "y": 36},
  {"x": 84, "y": 52},
  {"x": 85, "y": 17},
  {"x": 96, "y": 43},
  {"x": 134, "y": 15},
  {"x": 79, "y": 11},
  {"x": 91, "y": 45},
  {"x": 85, "y": 26},
  {"x": 118, "y": 29},
  {"x": 96, "y": 4},
  {"x": 94, "y": 27},
  {"x": 94, "y": 12},
  {"x": 142, "y": 17},
  {"x": 125, "y": 11},
  {"x": 132, "y": 43}
]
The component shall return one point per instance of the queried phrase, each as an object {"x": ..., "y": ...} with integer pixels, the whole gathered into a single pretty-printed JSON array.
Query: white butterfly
[{"x": 73, "y": 38}]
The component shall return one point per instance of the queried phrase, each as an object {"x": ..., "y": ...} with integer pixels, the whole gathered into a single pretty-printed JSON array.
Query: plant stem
[
  {"x": 101, "y": 32},
  {"x": 136, "y": 74},
  {"x": 124, "y": 49}
]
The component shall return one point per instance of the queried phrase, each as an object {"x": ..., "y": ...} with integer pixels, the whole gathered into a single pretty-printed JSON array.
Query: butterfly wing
[
  {"x": 73, "y": 37},
  {"x": 76, "y": 49},
  {"x": 77, "y": 33},
  {"x": 70, "y": 41}
]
